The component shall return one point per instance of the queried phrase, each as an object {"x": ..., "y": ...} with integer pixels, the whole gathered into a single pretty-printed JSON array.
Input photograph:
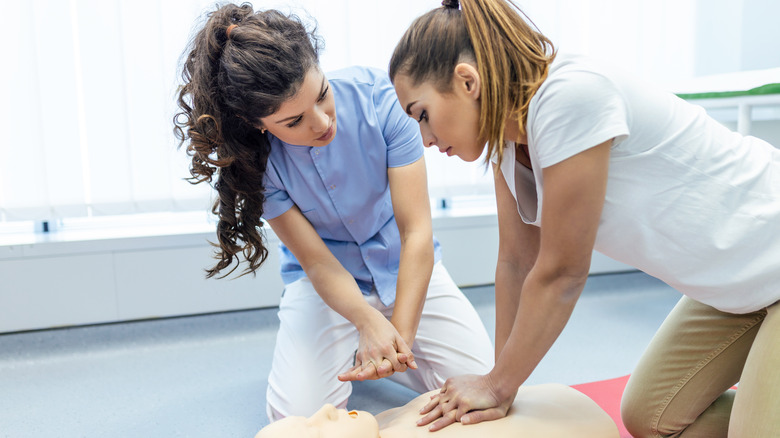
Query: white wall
[{"x": 736, "y": 35}]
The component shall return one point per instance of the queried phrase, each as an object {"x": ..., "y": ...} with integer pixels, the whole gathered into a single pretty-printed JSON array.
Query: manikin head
[{"x": 328, "y": 422}]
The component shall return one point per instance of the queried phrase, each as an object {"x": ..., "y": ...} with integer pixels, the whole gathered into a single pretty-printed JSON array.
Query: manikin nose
[{"x": 327, "y": 413}]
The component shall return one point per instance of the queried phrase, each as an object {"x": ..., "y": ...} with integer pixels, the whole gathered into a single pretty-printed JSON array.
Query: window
[{"x": 88, "y": 89}]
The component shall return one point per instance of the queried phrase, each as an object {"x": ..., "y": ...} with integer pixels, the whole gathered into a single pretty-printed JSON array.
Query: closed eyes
[{"x": 295, "y": 122}]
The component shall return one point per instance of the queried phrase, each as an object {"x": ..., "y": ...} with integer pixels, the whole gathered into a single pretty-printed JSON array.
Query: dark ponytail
[{"x": 240, "y": 67}]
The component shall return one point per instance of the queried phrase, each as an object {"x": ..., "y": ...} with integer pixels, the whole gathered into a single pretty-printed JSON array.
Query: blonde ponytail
[{"x": 512, "y": 58}]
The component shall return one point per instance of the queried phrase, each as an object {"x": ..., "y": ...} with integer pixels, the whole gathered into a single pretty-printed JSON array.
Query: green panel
[{"x": 758, "y": 91}]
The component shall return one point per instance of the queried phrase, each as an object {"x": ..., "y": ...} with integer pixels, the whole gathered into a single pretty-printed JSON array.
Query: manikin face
[
  {"x": 309, "y": 117},
  {"x": 328, "y": 422},
  {"x": 449, "y": 121}
]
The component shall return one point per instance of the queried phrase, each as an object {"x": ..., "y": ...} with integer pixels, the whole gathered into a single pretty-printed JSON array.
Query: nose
[
  {"x": 321, "y": 120},
  {"x": 327, "y": 413},
  {"x": 428, "y": 138}
]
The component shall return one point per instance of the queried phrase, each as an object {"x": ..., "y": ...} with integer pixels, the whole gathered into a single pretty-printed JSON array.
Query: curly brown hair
[{"x": 239, "y": 67}]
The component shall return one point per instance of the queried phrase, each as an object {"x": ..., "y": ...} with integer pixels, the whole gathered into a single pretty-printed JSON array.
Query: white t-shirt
[{"x": 688, "y": 200}]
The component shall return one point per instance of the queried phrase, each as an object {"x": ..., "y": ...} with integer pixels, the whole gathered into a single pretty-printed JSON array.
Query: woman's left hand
[
  {"x": 381, "y": 352},
  {"x": 371, "y": 370},
  {"x": 469, "y": 399}
]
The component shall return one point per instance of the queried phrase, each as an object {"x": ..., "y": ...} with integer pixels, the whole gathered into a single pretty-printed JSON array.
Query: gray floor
[{"x": 205, "y": 376}]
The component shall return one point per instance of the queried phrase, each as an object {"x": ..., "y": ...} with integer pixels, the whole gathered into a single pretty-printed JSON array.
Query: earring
[{"x": 262, "y": 130}]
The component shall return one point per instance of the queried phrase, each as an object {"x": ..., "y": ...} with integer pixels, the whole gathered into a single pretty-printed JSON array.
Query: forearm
[
  {"x": 340, "y": 292},
  {"x": 574, "y": 193},
  {"x": 545, "y": 306},
  {"x": 509, "y": 282},
  {"x": 414, "y": 275}
]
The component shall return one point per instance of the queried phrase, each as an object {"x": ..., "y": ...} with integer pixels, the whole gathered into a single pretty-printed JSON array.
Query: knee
[
  {"x": 304, "y": 400},
  {"x": 637, "y": 416},
  {"x": 637, "y": 423}
]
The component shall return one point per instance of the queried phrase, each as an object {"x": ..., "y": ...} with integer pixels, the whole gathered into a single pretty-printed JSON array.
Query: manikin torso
[{"x": 540, "y": 411}]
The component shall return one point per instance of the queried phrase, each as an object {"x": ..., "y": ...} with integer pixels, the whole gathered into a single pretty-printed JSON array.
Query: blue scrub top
[{"x": 342, "y": 188}]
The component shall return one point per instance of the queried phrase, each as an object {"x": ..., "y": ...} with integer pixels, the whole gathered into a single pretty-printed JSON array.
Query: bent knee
[
  {"x": 638, "y": 423},
  {"x": 637, "y": 413},
  {"x": 304, "y": 400}
]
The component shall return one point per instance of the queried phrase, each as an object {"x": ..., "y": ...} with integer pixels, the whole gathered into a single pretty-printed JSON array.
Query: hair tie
[
  {"x": 230, "y": 29},
  {"x": 453, "y": 4}
]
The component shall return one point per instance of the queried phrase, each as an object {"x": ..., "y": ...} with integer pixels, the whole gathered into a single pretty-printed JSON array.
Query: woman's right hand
[
  {"x": 469, "y": 399},
  {"x": 381, "y": 352}
]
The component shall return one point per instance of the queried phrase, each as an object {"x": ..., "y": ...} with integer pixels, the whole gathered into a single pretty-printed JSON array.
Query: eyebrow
[
  {"x": 409, "y": 107},
  {"x": 322, "y": 90}
]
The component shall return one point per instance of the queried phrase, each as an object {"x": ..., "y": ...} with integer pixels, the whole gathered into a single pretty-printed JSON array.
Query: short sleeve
[
  {"x": 277, "y": 201},
  {"x": 572, "y": 112},
  {"x": 401, "y": 133}
]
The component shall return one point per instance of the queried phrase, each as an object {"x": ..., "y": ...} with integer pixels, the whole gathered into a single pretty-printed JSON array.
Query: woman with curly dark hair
[{"x": 366, "y": 296}]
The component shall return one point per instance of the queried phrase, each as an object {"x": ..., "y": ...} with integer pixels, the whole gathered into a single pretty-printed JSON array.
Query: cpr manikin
[{"x": 541, "y": 411}]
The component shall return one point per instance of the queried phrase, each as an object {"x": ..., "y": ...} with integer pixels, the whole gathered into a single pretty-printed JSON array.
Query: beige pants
[{"x": 680, "y": 387}]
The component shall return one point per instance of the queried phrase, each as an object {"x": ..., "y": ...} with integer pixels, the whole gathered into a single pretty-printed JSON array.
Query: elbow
[
  {"x": 569, "y": 290},
  {"x": 567, "y": 279},
  {"x": 420, "y": 240},
  {"x": 572, "y": 288}
]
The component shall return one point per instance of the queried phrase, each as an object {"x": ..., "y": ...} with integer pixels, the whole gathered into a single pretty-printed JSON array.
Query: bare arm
[
  {"x": 380, "y": 343},
  {"x": 518, "y": 246},
  {"x": 412, "y": 209},
  {"x": 574, "y": 194}
]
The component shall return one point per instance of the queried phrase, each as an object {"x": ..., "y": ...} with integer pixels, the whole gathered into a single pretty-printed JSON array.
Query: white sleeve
[{"x": 574, "y": 111}]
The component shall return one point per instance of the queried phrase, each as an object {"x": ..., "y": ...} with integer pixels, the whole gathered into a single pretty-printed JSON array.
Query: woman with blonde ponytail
[
  {"x": 334, "y": 166},
  {"x": 587, "y": 157}
]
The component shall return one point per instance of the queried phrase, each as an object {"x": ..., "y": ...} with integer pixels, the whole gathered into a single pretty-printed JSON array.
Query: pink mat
[{"x": 607, "y": 394}]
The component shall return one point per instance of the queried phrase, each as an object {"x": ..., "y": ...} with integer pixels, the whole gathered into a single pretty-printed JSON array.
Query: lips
[
  {"x": 327, "y": 134},
  {"x": 447, "y": 151}
]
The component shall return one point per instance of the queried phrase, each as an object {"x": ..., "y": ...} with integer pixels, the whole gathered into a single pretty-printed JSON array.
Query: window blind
[{"x": 88, "y": 89}]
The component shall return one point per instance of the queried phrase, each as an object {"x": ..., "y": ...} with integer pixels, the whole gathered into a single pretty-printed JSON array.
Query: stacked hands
[
  {"x": 381, "y": 352},
  {"x": 469, "y": 399}
]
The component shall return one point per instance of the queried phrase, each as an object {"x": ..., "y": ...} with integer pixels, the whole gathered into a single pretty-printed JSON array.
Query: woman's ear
[{"x": 467, "y": 80}]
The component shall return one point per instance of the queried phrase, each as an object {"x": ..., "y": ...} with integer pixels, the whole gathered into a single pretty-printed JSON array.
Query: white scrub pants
[{"x": 315, "y": 344}]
